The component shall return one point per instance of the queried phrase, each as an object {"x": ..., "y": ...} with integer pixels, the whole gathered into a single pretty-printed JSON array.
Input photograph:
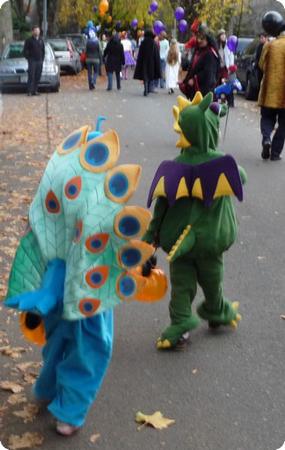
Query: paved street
[{"x": 226, "y": 390}]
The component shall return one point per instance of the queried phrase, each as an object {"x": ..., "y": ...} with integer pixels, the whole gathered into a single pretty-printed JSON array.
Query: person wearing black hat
[{"x": 272, "y": 91}]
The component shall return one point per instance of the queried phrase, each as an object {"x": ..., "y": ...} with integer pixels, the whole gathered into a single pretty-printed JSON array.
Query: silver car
[
  {"x": 14, "y": 68},
  {"x": 66, "y": 54}
]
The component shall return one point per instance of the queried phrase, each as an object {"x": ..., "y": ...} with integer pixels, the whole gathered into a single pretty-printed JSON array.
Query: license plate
[{"x": 24, "y": 78}]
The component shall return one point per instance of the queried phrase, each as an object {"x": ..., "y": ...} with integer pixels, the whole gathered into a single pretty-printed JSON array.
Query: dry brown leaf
[
  {"x": 27, "y": 440},
  {"x": 94, "y": 438},
  {"x": 13, "y": 352},
  {"x": 28, "y": 413},
  {"x": 11, "y": 386},
  {"x": 30, "y": 378},
  {"x": 156, "y": 420},
  {"x": 23, "y": 367},
  {"x": 16, "y": 399}
]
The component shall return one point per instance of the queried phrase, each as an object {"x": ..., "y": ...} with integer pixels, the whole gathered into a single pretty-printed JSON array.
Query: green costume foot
[
  {"x": 229, "y": 316},
  {"x": 177, "y": 335}
]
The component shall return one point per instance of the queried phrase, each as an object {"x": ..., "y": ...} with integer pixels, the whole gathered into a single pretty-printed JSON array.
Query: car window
[
  {"x": 48, "y": 52},
  {"x": 250, "y": 50},
  {"x": 14, "y": 51},
  {"x": 59, "y": 46},
  {"x": 243, "y": 43}
]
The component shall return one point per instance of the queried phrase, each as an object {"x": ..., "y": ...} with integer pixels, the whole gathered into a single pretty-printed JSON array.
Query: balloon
[
  {"x": 232, "y": 43},
  {"x": 179, "y": 13},
  {"x": 158, "y": 27},
  {"x": 134, "y": 23},
  {"x": 109, "y": 19},
  {"x": 103, "y": 7},
  {"x": 183, "y": 26},
  {"x": 153, "y": 6},
  {"x": 95, "y": 9}
]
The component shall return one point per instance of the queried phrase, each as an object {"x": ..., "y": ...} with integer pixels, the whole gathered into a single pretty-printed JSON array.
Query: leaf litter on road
[
  {"x": 26, "y": 440},
  {"x": 155, "y": 420}
]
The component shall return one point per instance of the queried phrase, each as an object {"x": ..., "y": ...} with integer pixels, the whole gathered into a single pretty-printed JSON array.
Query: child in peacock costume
[
  {"x": 77, "y": 261},
  {"x": 194, "y": 219}
]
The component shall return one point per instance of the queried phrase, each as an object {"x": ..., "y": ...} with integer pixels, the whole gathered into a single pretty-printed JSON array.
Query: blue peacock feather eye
[
  {"x": 131, "y": 257},
  {"x": 129, "y": 226},
  {"x": 127, "y": 286},
  {"x": 71, "y": 141},
  {"x": 118, "y": 184},
  {"x": 97, "y": 154}
]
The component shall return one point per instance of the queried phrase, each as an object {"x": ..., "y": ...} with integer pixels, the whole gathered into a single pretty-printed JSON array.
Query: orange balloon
[
  {"x": 103, "y": 6},
  {"x": 32, "y": 327},
  {"x": 154, "y": 288},
  {"x": 109, "y": 19}
]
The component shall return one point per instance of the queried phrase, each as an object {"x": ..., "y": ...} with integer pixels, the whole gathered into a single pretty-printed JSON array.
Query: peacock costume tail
[{"x": 83, "y": 243}]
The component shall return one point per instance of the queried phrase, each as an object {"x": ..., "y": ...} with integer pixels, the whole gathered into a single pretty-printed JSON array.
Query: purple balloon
[
  {"x": 95, "y": 8},
  {"x": 232, "y": 43},
  {"x": 150, "y": 12},
  {"x": 153, "y": 6},
  {"x": 158, "y": 27},
  {"x": 134, "y": 23},
  {"x": 183, "y": 26},
  {"x": 179, "y": 13}
]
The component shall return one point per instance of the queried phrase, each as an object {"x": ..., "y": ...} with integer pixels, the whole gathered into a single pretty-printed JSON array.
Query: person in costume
[
  {"x": 75, "y": 263},
  {"x": 204, "y": 67},
  {"x": 148, "y": 62},
  {"x": 194, "y": 220},
  {"x": 271, "y": 97},
  {"x": 173, "y": 61},
  {"x": 128, "y": 52}
]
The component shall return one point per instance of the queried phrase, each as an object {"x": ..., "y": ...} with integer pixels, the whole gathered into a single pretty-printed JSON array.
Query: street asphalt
[{"x": 226, "y": 389}]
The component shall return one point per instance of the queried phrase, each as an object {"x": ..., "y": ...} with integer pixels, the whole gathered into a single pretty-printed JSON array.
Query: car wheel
[
  {"x": 250, "y": 91},
  {"x": 55, "y": 88}
]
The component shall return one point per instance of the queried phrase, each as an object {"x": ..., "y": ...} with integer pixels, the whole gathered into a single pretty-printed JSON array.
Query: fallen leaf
[
  {"x": 28, "y": 413},
  {"x": 94, "y": 438},
  {"x": 27, "y": 440},
  {"x": 30, "y": 378},
  {"x": 11, "y": 386},
  {"x": 16, "y": 399},
  {"x": 194, "y": 371},
  {"x": 156, "y": 420},
  {"x": 282, "y": 316},
  {"x": 13, "y": 352}
]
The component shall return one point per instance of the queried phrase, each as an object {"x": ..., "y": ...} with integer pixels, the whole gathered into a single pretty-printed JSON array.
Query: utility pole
[{"x": 45, "y": 24}]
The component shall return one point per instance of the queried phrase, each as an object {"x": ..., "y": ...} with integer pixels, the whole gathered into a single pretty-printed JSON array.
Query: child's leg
[
  {"x": 80, "y": 374},
  {"x": 183, "y": 290},
  {"x": 53, "y": 352},
  {"x": 215, "y": 308}
]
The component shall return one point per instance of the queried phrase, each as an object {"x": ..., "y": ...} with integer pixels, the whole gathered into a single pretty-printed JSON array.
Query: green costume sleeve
[
  {"x": 243, "y": 174},
  {"x": 151, "y": 235}
]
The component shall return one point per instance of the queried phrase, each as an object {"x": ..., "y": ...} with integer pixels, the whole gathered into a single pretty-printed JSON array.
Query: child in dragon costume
[
  {"x": 194, "y": 219},
  {"x": 75, "y": 263}
]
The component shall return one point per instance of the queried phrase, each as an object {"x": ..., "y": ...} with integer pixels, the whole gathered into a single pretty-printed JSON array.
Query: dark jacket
[
  {"x": 148, "y": 62},
  {"x": 114, "y": 55},
  {"x": 204, "y": 69},
  {"x": 34, "y": 49},
  {"x": 93, "y": 51}
]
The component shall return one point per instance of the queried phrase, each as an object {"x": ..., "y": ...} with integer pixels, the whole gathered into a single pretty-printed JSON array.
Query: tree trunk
[{"x": 6, "y": 28}]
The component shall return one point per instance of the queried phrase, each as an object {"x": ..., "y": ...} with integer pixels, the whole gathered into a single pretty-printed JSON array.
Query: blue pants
[
  {"x": 162, "y": 68},
  {"x": 93, "y": 70},
  {"x": 75, "y": 359},
  {"x": 269, "y": 118}
]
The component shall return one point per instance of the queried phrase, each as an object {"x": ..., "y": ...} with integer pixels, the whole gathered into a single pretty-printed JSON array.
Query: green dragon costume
[{"x": 194, "y": 219}]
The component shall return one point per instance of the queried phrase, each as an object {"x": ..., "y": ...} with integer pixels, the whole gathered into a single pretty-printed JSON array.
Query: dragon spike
[
  {"x": 183, "y": 142},
  {"x": 177, "y": 246},
  {"x": 182, "y": 102},
  {"x": 175, "y": 111},
  {"x": 205, "y": 103},
  {"x": 101, "y": 153},
  {"x": 121, "y": 182},
  {"x": 132, "y": 222},
  {"x": 177, "y": 127},
  {"x": 73, "y": 141},
  {"x": 198, "y": 97},
  {"x": 134, "y": 253}
]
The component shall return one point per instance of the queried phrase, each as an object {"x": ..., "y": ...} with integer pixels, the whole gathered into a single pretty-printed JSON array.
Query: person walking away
[
  {"x": 148, "y": 62},
  {"x": 271, "y": 97},
  {"x": 34, "y": 52},
  {"x": 263, "y": 38},
  {"x": 163, "y": 51},
  {"x": 204, "y": 67},
  {"x": 93, "y": 59},
  {"x": 114, "y": 60},
  {"x": 128, "y": 52},
  {"x": 173, "y": 61}
]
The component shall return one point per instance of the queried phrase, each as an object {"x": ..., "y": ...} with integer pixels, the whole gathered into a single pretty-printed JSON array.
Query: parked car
[
  {"x": 79, "y": 40},
  {"x": 67, "y": 55},
  {"x": 14, "y": 68},
  {"x": 247, "y": 72}
]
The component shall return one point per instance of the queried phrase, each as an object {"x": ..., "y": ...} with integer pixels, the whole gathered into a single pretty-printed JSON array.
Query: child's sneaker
[{"x": 65, "y": 429}]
